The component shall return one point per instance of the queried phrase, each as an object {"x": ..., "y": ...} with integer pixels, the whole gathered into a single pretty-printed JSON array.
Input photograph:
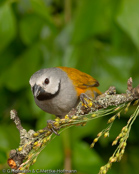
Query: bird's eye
[{"x": 46, "y": 81}]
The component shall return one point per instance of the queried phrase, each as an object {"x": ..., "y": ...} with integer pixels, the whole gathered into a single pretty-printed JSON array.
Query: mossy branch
[{"x": 32, "y": 143}]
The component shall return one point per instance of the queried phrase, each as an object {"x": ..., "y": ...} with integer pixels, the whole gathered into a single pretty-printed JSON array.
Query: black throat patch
[{"x": 43, "y": 95}]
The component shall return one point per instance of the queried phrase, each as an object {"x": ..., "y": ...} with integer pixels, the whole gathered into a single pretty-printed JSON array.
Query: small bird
[{"x": 57, "y": 90}]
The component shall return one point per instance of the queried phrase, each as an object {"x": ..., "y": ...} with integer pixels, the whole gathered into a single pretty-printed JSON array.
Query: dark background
[{"x": 100, "y": 38}]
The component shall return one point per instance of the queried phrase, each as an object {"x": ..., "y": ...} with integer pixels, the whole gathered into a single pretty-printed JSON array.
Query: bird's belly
[{"x": 57, "y": 106}]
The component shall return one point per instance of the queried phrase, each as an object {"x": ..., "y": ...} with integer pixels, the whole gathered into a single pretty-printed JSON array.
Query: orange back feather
[{"x": 82, "y": 81}]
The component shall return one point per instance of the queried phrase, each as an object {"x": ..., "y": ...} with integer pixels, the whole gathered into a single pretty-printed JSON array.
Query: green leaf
[
  {"x": 7, "y": 25},
  {"x": 93, "y": 17},
  {"x": 18, "y": 74},
  {"x": 127, "y": 19},
  {"x": 30, "y": 28},
  {"x": 85, "y": 160},
  {"x": 2, "y": 1},
  {"x": 115, "y": 70},
  {"x": 40, "y": 8}
]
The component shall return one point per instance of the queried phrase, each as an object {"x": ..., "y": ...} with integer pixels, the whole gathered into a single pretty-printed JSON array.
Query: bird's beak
[{"x": 37, "y": 90}]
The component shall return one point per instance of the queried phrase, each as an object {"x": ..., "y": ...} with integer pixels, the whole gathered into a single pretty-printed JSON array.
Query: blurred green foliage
[{"x": 98, "y": 37}]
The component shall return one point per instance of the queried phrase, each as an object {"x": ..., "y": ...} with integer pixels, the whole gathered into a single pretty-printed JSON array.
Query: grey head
[
  {"x": 45, "y": 83},
  {"x": 53, "y": 91}
]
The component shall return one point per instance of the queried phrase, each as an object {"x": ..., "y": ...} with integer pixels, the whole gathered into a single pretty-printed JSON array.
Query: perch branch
[{"x": 32, "y": 141}]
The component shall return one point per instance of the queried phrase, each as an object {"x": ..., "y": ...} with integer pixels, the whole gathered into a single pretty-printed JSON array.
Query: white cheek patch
[
  {"x": 52, "y": 87},
  {"x": 40, "y": 81},
  {"x": 51, "y": 90}
]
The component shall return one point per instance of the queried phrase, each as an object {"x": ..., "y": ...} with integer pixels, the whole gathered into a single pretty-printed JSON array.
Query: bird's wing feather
[{"x": 80, "y": 79}]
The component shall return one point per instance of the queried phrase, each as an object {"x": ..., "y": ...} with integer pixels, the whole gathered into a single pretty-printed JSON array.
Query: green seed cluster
[
  {"x": 43, "y": 136},
  {"x": 121, "y": 139}
]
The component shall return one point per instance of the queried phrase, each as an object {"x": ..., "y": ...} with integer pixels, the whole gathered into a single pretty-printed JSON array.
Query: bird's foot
[
  {"x": 51, "y": 127},
  {"x": 86, "y": 100}
]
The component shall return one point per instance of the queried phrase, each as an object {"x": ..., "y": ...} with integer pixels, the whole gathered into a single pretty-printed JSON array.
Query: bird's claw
[
  {"x": 86, "y": 100},
  {"x": 51, "y": 127}
]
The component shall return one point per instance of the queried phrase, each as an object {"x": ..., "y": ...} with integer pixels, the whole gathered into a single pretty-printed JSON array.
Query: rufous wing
[{"x": 81, "y": 80}]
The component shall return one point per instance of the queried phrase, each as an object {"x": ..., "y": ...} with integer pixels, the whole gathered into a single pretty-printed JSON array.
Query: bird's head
[{"x": 45, "y": 84}]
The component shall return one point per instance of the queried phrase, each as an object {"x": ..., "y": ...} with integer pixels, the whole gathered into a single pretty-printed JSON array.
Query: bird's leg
[
  {"x": 86, "y": 100},
  {"x": 51, "y": 127}
]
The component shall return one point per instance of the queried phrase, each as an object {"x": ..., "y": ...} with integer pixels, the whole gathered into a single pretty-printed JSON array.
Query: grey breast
[{"x": 65, "y": 100}]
